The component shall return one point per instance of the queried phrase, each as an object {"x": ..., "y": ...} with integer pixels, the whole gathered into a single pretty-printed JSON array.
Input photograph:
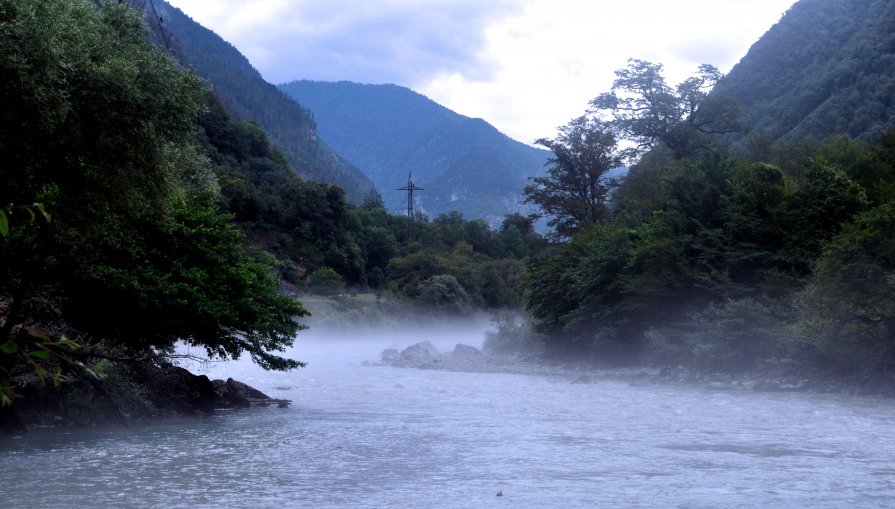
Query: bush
[
  {"x": 513, "y": 334},
  {"x": 326, "y": 281},
  {"x": 735, "y": 336},
  {"x": 848, "y": 307},
  {"x": 289, "y": 271},
  {"x": 444, "y": 293}
]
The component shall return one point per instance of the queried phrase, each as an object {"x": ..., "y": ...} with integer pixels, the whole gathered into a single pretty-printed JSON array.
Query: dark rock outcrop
[
  {"x": 131, "y": 391},
  {"x": 233, "y": 394},
  {"x": 177, "y": 388}
]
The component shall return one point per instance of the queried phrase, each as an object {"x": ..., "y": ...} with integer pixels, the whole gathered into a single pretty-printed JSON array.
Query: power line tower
[{"x": 410, "y": 188}]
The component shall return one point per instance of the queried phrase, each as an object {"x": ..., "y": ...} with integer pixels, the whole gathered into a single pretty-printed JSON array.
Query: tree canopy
[
  {"x": 100, "y": 128},
  {"x": 574, "y": 193},
  {"x": 827, "y": 68},
  {"x": 731, "y": 264},
  {"x": 644, "y": 109}
]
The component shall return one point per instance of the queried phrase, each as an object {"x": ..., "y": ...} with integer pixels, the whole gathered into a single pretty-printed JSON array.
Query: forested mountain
[
  {"x": 773, "y": 253},
  {"x": 246, "y": 95},
  {"x": 388, "y": 131},
  {"x": 137, "y": 213},
  {"x": 826, "y": 68}
]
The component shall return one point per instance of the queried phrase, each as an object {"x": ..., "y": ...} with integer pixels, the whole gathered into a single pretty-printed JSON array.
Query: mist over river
[{"x": 376, "y": 437}]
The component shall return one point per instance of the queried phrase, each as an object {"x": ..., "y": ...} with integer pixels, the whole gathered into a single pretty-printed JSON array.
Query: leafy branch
[{"x": 33, "y": 211}]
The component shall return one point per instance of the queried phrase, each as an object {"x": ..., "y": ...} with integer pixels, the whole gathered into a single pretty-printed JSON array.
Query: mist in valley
[
  {"x": 209, "y": 296},
  {"x": 362, "y": 434}
]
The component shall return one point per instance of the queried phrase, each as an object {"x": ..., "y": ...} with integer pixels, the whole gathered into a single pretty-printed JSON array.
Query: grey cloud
[{"x": 385, "y": 42}]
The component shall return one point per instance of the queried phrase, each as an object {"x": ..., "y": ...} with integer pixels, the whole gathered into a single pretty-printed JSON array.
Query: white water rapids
[{"x": 377, "y": 437}]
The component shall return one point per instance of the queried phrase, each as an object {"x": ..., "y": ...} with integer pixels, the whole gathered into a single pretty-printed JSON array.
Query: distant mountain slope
[
  {"x": 388, "y": 131},
  {"x": 247, "y": 96},
  {"x": 827, "y": 67}
]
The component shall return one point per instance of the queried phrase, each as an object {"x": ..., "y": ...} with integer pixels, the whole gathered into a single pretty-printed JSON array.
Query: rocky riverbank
[
  {"x": 466, "y": 358},
  {"x": 126, "y": 393}
]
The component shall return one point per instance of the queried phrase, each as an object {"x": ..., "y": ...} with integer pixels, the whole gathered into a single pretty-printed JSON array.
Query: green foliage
[
  {"x": 442, "y": 293},
  {"x": 646, "y": 111},
  {"x": 33, "y": 210},
  {"x": 163, "y": 206},
  {"x": 248, "y": 97},
  {"x": 373, "y": 200},
  {"x": 489, "y": 283},
  {"x": 511, "y": 335},
  {"x": 309, "y": 224},
  {"x": 826, "y": 201},
  {"x": 718, "y": 229},
  {"x": 582, "y": 286},
  {"x": 848, "y": 306},
  {"x": 326, "y": 281},
  {"x": 734, "y": 337},
  {"x": 306, "y": 222},
  {"x": 53, "y": 361},
  {"x": 289, "y": 271},
  {"x": 826, "y": 69},
  {"x": 100, "y": 128},
  {"x": 191, "y": 280},
  {"x": 574, "y": 193},
  {"x": 92, "y": 118}
]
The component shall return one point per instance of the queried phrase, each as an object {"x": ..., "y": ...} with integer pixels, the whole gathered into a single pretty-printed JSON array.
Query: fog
[
  {"x": 360, "y": 434},
  {"x": 336, "y": 345},
  {"x": 443, "y": 333}
]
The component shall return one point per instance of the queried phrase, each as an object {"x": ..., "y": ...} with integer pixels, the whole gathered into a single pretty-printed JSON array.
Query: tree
[
  {"x": 373, "y": 200},
  {"x": 326, "y": 281},
  {"x": 443, "y": 293},
  {"x": 575, "y": 191},
  {"x": 100, "y": 127},
  {"x": 734, "y": 336},
  {"x": 190, "y": 279},
  {"x": 848, "y": 307},
  {"x": 826, "y": 201},
  {"x": 646, "y": 111},
  {"x": 523, "y": 224}
]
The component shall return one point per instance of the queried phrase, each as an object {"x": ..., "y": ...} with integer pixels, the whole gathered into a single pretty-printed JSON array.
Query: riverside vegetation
[
  {"x": 710, "y": 258},
  {"x": 159, "y": 218}
]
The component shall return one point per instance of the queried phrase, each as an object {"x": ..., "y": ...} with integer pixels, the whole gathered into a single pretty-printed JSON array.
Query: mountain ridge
[
  {"x": 248, "y": 96},
  {"x": 390, "y": 131},
  {"x": 826, "y": 68}
]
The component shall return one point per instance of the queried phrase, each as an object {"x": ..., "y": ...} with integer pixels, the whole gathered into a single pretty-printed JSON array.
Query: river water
[{"x": 364, "y": 436}]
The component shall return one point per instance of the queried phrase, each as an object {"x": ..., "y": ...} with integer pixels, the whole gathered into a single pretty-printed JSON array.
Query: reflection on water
[{"x": 359, "y": 436}]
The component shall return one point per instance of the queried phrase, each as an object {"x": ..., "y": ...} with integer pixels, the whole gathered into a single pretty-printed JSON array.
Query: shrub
[{"x": 326, "y": 281}]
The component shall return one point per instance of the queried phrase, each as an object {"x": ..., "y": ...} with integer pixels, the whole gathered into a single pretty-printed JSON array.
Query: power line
[{"x": 410, "y": 188}]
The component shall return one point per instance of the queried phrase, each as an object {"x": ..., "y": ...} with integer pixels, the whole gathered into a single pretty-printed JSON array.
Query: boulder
[
  {"x": 420, "y": 355},
  {"x": 462, "y": 350},
  {"x": 390, "y": 355},
  {"x": 184, "y": 391},
  {"x": 233, "y": 394}
]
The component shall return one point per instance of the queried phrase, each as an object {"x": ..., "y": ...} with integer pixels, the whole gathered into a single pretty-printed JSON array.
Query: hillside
[
  {"x": 826, "y": 68},
  {"x": 388, "y": 131},
  {"x": 247, "y": 96}
]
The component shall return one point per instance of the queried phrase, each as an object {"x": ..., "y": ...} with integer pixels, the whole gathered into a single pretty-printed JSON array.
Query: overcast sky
[{"x": 525, "y": 66}]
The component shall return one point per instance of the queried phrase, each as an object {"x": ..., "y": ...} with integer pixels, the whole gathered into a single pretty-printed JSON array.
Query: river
[{"x": 374, "y": 437}]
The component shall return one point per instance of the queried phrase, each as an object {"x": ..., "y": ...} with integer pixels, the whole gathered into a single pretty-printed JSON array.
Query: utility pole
[{"x": 410, "y": 188}]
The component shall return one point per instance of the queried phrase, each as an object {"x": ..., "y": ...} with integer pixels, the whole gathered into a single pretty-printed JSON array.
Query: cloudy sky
[{"x": 525, "y": 66}]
